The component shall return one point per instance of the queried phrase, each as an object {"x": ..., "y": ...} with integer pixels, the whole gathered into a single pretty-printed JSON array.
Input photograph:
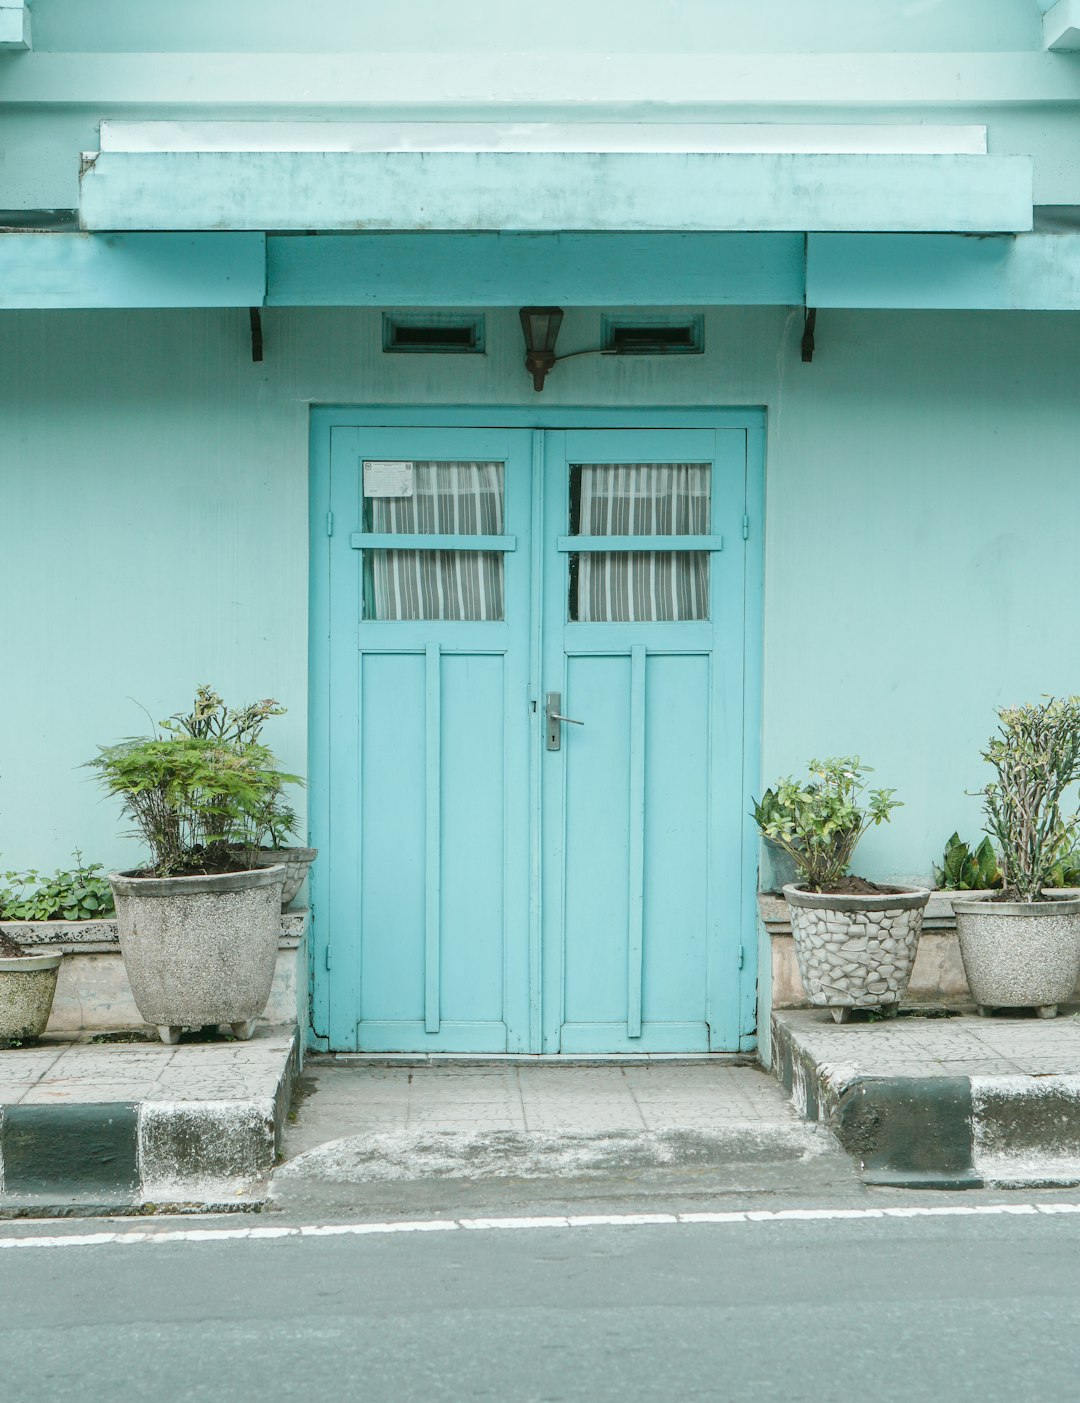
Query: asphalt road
[{"x": 926, "y": 1308}]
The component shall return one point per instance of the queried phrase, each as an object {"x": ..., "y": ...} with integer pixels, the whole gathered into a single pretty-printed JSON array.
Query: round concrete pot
[
  {"x": 199, "y": 950},
  {"x": 855, "y": 951},
  {"x": 296, "y": 862},
  {"x": 27, "y": 986},
  {"x": 1020, "y": 954}
]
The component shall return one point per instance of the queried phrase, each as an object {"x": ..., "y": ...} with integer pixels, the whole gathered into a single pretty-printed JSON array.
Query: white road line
[{"x": 748, "y": 1217}]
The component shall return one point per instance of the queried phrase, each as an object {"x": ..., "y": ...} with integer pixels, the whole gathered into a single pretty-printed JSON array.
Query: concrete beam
[
  {"x": 676, "y": 138},
  {"x": 1061, "y": 27},
  {"x": 542, "y": 191},
  {"x": 1032, "y": 272},
  {"x": 511, "y": 270},
  {"x": 481, "y": 85},
  {"x": 14, "y": 24},
  {"x": 159, "y": 270}
]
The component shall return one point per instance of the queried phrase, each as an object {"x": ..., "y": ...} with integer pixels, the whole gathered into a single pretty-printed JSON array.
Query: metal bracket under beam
[
  {"x": 256, "y": 333},
  {"x": 808, "y": 334}
]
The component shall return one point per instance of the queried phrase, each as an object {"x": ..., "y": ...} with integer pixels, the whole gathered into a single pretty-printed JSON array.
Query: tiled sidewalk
[
  {"x": 67, "y": 1071},
  {"x": 965, "y": 1045},
  {"x": 355, "y": 1099}
]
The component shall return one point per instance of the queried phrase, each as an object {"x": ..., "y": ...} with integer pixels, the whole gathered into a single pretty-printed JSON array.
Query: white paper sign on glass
[{"x": 387, "y": 478}]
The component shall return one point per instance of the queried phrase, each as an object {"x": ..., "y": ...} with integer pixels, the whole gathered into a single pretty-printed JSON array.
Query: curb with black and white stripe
[
  {"x": 127, "y": 1153},
  {"x": 944, "y": 1132}
]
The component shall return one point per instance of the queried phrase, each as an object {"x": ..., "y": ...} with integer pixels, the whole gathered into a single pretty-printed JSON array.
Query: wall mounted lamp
[{"x": 540, "y": 326}]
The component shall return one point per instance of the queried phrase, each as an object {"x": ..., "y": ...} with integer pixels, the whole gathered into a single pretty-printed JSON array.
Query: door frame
[{"x": 322, "y": 421}]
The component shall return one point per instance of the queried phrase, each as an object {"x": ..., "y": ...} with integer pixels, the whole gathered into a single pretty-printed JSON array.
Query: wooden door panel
[
  {"x": 643, "y": 806},
  {"x": 429, "y": 903}
]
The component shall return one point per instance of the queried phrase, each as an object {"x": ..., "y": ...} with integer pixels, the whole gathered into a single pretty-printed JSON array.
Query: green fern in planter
[{"x": 203, "y": 791}]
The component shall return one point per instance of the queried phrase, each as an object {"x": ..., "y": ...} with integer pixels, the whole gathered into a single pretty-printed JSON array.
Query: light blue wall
[
  {"x": 644, "y": 26},
  {"x": 920, "y": 554}
]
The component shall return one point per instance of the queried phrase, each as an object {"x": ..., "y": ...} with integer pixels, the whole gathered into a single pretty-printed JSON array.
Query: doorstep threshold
[{"x": 536, "y": 1059}]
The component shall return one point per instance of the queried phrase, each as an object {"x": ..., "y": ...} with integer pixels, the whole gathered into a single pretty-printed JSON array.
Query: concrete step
[
  {"x": 929, "y": 1100},
  {"x": 88, "y": 1126},
  {"x": 506, "y": 1135}
]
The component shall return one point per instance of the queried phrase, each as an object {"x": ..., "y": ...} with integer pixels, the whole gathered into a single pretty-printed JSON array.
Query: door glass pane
[
  {"x": 448, "y": 499},
  {"x": 639, "y": 499}
]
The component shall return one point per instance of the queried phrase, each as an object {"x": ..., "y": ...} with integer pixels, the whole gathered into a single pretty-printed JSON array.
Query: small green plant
[
  {"x": 819, "y": 822},
  {"x": 965, "y": 870},
  {"x": 75, "y": 894},
  {"x": 210, "y": 719},
  {"x": 1036, "y": 758},
  {"x": 282, "y": 824},
  {"x": 240, "y": 727},
  {"x": 1066, "y": 871},
  {"x": 206, "y": 793}
]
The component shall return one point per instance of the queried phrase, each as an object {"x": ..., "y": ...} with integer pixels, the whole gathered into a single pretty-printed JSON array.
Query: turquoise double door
[{"x": 532, "y": 736}]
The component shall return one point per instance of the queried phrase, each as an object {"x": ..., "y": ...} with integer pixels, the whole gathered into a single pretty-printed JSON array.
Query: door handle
[{"x": 555, "y": 720}]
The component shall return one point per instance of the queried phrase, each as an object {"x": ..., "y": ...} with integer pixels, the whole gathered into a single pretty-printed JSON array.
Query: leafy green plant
[
  {"x": 240, "y": 727},
  {"x": 210, "y": 719},
  {"x": 282, "y": 824},
  {"x": 965, "y": 870},
  {"x": 1036, "y": 758},
  {"x": 1066, "y": 871},
  {"x": 78, "y": 893},
  {"x": 206, "y": 793},
  {"x": 819, "y": 822}
]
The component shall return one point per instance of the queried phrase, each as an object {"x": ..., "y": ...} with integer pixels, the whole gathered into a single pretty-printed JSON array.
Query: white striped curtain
[
  {"x": 643, "y": 499},
  {"x": 449, "y": 498}
]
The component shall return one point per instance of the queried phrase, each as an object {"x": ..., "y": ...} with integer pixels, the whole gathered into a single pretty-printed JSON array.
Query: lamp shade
[{"x": 540, "y": 326}]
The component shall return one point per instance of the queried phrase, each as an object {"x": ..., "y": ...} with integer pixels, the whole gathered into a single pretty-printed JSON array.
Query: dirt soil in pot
[
  {"x": 853, "y": 886},
  {"x": 204, "y": 864}
]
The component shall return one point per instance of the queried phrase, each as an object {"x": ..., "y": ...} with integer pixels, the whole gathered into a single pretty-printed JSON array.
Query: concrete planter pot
[
  {"x": 855, "y": 951},
  {"x": 1020, "y": 954},
  {"x": 296, "y": 862},
  {"x": 27, "y": 986},
  {"x": 780, "y": 868},
  {"x": 199, "y": 950}
]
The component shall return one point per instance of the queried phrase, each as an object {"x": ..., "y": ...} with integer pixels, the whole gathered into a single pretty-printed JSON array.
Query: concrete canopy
[{"x": 186, "y": 177}]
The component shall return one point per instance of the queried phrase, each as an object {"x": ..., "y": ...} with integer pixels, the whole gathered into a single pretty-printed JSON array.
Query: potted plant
[
  {"x": 855, "y": 941},
  {"x": 282, "y": 823},
  {"x": 1021, "y": 949},
  {"x": 28, "y": 977},
  {"x": 199, "y": 925},
  {"x": 27, "y": 988},
  {"x": 211, "y": 718},
  {"x": 964, "y": 868}
]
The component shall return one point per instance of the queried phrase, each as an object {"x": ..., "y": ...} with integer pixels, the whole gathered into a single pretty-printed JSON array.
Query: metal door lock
[{"x": 555, "y": 721}]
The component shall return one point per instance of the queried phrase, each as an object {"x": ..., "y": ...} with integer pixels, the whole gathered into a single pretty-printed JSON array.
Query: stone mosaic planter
[
  {"x": 296, "y": 862},
  {"x": 1020, "y": 954},
  {"x": 855, "y": 951},
  {"x": 27, "y": 986},
  {"x": 199, "y": 950}
]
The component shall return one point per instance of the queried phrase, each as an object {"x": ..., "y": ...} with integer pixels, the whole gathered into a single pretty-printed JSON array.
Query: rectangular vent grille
[
  {"x": 625, "y": 336},
  {"x": 432, "y": 333}
]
